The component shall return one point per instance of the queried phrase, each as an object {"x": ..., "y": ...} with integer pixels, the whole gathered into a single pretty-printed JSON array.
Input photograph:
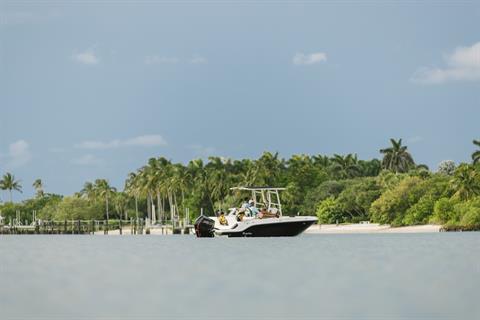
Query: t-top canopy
[
  {"x": 266, "y": 196},
  {"x": 258, "y": 188}
]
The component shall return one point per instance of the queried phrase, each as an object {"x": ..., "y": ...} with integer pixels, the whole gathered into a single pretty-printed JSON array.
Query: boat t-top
[{"x": 261, "y": 216}]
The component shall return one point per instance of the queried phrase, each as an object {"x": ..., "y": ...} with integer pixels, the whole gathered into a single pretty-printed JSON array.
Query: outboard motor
[{"x": 204, "y": 227}]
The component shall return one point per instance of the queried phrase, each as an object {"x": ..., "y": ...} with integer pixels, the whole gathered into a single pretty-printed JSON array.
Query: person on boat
[
  {"x": 221, "y": 218},
  {"x": 241, "y": 211},
  {"x": 245, "y": 204},
  {"x": 241, "y": 214},
  {"x": 264, "y": 213},
  {"x": 252, "y": 209}
]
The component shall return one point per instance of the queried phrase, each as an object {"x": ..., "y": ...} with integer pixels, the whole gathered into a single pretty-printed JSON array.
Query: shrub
[
  {"x": 468, "y": 214},
  {"x": 393, "y": 203},
  {"x": 328, "y": 211},
  {"x": 323, "y": 191},
  {"x": 73, "y": 208},
  {"x": 443, "y": 210},
  {"x": 357, "y": 197},
  {"x": 420, "y": 212}
]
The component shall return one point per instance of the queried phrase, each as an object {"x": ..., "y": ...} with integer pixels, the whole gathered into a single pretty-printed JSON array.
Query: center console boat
[{"x": 238, "y": 224}]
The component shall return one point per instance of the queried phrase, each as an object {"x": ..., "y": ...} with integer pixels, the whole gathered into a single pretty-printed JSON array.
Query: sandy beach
[
  {"x": 371, "y": 228},
  {"x": 322, "y": 229}
]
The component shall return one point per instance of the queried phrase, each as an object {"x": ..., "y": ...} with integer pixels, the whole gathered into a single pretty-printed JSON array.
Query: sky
[{"x": 92, "y": 89}]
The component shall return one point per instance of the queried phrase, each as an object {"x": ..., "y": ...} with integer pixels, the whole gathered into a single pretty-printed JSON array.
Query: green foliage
[
  {"x": 9, "y": 209},
  {"x": 340, "y": 188},
  {"x": 388, "y": 180},
  {"x": 370, "y": 168},
  {"x": 38, "y": 186},
  {"x": 72, "y": 208},
  {"x": 476, "y": 154},
  {"x": 8, "y": 182},
  {"x": 470, "y": 214},
  {"x": 461, "y": 215},
  {"x": 420, "y": 212},
  {"x": 393, "y": 203},
  {"x": 396, "y": 158},
  {"x": 329, "y": 212},
  {"x": 357, "y": 197},
  {"x": 325, "y": 190},
  {"x": 466, "y": 182},
  {"x": 444, "y": 210},
  {"x": 345, "y": 167}
]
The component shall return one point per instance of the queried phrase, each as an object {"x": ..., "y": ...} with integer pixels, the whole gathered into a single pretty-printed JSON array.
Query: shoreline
[
  {"x": 370, "y": 228},
  {"x": 353, "y": 228},
  {"x": 367, "y": 228}
]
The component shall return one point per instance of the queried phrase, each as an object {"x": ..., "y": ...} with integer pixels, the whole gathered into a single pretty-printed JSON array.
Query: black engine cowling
[{"x": 204, "y": 227}]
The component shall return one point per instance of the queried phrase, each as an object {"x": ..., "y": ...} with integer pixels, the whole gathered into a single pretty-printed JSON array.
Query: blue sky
[{"x": 93, "y": 89}]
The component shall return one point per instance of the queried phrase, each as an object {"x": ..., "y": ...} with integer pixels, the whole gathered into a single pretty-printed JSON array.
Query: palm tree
[
  {"x": 155, "y": 176},
  {"x": 301, "y": 171},
  {"x": 269, "y": 168},
  {"x": 132, "y": 188},
  {"x": 370, "y": 168},
  {"x": 397, "y": 158},
  {"x": 250, "y": 176},
  {"x": 38, "y": 186},
  {"x": 196, "y": 168},
  {"x": 182, "y": 180},
  {"x": 476, "y": 154},
  {"x": 120, "y": 201},
  {"x": 345, "y": 166},
  {"x": 89, "y": 191},
  {"x": 9, "y": 183},
  {"x": 466, "y": 182},
  {"x": 321, "y": 161},
  {"x": 104, "y": 190},
  {"x": 218, "y": 179}
]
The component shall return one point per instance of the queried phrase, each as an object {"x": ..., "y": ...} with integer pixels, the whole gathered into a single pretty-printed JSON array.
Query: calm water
[{"x": 383, "y": 276}]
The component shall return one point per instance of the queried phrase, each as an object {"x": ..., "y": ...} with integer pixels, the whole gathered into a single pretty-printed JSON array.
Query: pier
[{"x": 95, "y": 227}]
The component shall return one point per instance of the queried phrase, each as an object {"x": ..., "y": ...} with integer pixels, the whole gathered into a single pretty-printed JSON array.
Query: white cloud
[
  {"x": 94, "y": 144},
  {"x": 88, "y": 160},
  {"x": 160, "y": 60},
  {"x": 462, "y": 65},
  {"x": 86, "y": 57},
  {"x": 19, "y": 154},
  {"x": 146, "y": 141},
  {"x": 307, "y": 59},
  {"x": 151, "y": 140},
  {"x": 197, "y": 59}
]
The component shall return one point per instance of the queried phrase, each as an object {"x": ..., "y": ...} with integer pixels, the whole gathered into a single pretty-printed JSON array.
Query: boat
[{"x": 237, "y": 223}]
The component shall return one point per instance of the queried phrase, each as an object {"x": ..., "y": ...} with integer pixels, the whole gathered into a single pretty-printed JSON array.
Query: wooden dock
[{"x": 119, "y": 227}]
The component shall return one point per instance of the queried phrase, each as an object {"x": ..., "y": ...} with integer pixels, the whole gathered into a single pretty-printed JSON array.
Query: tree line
[{"x": 340, "y": 188}]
